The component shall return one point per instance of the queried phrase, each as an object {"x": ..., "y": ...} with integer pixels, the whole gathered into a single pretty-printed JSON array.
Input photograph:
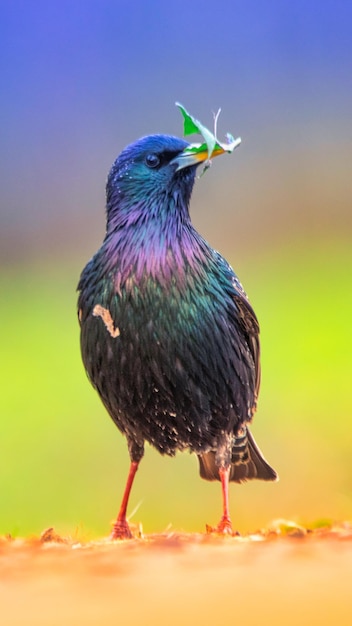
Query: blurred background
[{"x": 78, "y": 82}]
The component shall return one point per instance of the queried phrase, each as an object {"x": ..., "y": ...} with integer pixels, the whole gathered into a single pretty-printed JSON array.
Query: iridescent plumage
[{"x": 168, "y": 336}]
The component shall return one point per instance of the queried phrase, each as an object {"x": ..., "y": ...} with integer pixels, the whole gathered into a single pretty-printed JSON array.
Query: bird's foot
[
  {"x": 224, "y": 527},
  {"x": 121, "y": 530}
]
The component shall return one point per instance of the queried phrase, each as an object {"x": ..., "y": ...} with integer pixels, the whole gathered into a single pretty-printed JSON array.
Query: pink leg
[
  {"x": 224, "y": 527},
  {"x": 121, "y": 529}
]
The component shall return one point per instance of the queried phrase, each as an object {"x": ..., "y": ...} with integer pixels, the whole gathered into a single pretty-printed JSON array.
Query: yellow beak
[
  {"x": 199, "y": 155},
  {"x": 195, "y": 153}
]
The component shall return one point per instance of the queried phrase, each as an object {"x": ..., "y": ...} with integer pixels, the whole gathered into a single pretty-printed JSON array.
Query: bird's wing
[
  {"x": 250, "y": 327},
  {"x": 247, "y": 323}
]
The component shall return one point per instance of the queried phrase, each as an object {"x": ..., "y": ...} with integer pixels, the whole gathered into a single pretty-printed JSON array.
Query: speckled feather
[{"x": 182, "y": 369}]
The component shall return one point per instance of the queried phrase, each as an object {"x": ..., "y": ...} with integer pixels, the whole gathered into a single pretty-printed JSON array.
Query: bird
[{"x": 168, "y": 337}]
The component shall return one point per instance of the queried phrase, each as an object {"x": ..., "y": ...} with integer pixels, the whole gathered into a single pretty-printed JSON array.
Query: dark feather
[
  {"x": 247, "y": 461},
  {"x": 168, "y": 336}
]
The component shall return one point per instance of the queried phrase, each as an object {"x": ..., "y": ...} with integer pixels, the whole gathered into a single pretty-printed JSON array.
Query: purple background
[{"x": 79, "y": 80}]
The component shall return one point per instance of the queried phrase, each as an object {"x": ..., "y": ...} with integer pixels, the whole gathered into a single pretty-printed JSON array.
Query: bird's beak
[{"x": 187, "y": 158}]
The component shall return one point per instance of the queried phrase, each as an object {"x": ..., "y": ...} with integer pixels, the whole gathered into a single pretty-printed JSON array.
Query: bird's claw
[
  {"x": 224, "y": 527},
  {"x": 121, "y": 530}
]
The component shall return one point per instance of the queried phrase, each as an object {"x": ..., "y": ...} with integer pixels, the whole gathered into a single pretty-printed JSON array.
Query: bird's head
[{"x": 151, "y": 178}]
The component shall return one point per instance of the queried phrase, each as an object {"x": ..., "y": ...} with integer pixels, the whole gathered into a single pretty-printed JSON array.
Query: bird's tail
[{"x": 247, "y": 462}]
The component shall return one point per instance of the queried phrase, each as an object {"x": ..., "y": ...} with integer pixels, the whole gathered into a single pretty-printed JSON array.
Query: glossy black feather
[{"x": 168, "y": 336}]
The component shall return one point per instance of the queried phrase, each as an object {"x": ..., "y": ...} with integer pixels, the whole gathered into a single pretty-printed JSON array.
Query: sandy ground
[{"x": 282, "y": 576}]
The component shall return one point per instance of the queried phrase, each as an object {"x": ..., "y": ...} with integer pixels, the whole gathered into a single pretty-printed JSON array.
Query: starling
[{"x": 168, "y": 337}]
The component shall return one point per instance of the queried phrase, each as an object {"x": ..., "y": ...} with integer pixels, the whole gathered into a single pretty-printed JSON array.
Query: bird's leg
[
  {"x": 223, "y": 462},
  {"x": 121, "y": 529},
  {"x": 225, "y": 525}
]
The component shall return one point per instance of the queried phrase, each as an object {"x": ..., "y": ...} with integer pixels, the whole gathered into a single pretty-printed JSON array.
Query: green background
[
  {"x": 64, "y": 463},
  {"x": 78, "y": 84}
]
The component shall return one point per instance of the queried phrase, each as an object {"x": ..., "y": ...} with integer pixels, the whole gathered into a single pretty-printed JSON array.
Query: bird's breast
[{"x": 162, "y": 350}]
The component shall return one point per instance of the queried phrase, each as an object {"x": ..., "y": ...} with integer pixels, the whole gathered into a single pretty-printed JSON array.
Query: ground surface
[{"x": 285, "y": 575}]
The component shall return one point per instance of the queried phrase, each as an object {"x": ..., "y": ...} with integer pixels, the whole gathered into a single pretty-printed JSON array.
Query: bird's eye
[{"x": 152, "y": 160}]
